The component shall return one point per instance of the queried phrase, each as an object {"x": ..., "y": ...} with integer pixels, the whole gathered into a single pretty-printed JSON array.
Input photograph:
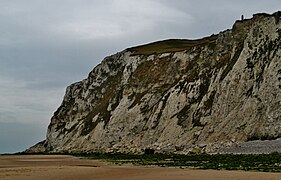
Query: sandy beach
[{"x": 43, "y": 167}]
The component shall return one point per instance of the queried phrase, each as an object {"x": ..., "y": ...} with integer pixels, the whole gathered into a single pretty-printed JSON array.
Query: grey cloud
[{"x": 14, "y": 137}]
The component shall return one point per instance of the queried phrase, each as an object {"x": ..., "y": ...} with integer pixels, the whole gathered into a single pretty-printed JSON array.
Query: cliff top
[
  {"x": 175, "y": 45},
  {"x": 171, "y": 45}
]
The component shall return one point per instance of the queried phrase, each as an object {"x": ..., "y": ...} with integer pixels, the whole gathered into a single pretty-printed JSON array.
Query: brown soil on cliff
[{"x": 67, "y": 167}]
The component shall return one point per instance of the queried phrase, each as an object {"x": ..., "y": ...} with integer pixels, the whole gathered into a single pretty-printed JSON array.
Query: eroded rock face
[{"x": 215, "y": 91}]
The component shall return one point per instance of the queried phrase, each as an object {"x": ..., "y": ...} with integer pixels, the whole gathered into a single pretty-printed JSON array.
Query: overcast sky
[{"x": 45, "y": 45}]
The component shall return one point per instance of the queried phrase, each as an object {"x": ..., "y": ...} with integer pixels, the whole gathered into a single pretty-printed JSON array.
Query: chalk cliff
[{"x": 211, "y": 92}]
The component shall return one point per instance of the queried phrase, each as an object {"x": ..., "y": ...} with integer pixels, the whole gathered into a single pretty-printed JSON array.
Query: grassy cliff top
[{"x": 170, "y": 45}]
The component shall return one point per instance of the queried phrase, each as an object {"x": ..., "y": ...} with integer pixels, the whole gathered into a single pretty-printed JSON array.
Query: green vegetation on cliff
[{"x": 171, "y": 45}]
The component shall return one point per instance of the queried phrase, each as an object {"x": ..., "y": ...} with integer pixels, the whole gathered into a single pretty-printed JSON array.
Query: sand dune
[{"x": 43, "y": 167}]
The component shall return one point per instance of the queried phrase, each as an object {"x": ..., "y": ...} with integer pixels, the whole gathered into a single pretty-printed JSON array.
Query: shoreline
[{"x": 69, "y": 167}]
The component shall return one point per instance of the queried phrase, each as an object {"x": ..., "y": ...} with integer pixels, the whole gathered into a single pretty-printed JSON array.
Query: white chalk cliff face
[{"x": 215, "y": 91}]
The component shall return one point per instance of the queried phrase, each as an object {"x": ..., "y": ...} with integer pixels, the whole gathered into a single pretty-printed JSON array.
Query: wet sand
[{"x": 43, "y": 167}]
